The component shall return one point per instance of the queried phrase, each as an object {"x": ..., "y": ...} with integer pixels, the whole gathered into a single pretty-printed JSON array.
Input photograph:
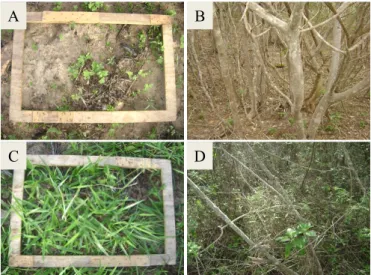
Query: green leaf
[
  {"x": 283, "y": 239},
  {"x": 288, "y": 248},
  {"x": 311, "y": 233}
]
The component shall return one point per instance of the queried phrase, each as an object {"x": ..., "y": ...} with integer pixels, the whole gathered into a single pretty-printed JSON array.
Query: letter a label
[{"x": 13, "y": 16}]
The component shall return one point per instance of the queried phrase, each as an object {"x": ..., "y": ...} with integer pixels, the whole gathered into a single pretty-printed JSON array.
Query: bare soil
[{"x": 50, "y": 49}]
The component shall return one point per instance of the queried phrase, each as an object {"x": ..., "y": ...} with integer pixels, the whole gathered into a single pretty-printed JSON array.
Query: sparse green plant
[
  {"x": 150, "y": 7},
  {"x": 30, "y": 84},
  {"x": 272, "y": 131},
  {"x": 142, "y": 39},
  {"x": 110, "y": 108},
  {"x": 97, "y": 69},
  {"x": 170, "y": 12},
  {"x": 76, "y": 97},
  {"x": 53, "y": 86},
  {"x": 72, "y": 25},
  {"x": 292, "y": 121},
  {"x": 111, "y": 61},
  {"x": 130, "y": 7},
  {"x": 75, "y": 7},
  {"x": 118, "y": 8},
  {"x": 230, "y": 121},
  {"x": 34, "y": 46},
  {"x": 93, "y": 6},
  {"x": 75, "y": 69},
  {"x": 362, "y": 124},
  {"x": 296, "y": 239},
  {"x": 57, "y": 6},
  {"x": 108, "y": 44},
  {"x": 61, "y": 37}
]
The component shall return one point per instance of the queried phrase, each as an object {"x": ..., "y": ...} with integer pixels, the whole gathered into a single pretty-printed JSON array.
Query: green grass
[
  {"x": 94, "y": 210},
  {"x": 88, "y": 210}
]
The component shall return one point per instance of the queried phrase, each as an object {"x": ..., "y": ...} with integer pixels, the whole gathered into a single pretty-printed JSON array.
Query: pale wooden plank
[
  {"x": 57, "y": 17},
  {"x": 34, "y": 17},
  {"x": 15, "y": 219},
  {"x": 96, "y": 117},
  {"x": 169, "y": 212},
  {"x": 159, "y": 19},
  {"x": 86, "y": 261},
  {"x": 15, "y": 104},
  {"x": 21, "y": 261},
  {"x": 169, "y": 69},
  {"x": 125, "y": 18},
  {"x": 73, "y": 160}
]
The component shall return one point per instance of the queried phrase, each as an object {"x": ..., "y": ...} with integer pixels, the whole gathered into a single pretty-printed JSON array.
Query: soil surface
[{"x": 51, "y": 49}]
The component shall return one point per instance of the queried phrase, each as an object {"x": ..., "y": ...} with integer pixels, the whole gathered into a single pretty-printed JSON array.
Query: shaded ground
[
  {"x": 51, "y": 49},
  {"x": 349, "y": 119}
]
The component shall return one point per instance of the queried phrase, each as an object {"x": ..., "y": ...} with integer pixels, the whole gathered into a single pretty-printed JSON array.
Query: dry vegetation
[
  {"x": 281, "y": 71},
  {"x": 291, "y": 208}
]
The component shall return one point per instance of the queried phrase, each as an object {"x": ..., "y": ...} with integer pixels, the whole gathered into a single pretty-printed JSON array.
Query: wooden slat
[
  {"x": 53, "y": 17},
  {"x": 34, "y": 17},
  {"x": 125, "y": 18},
  {"x": 158, "y": 19},
  {"x": 73, "y": 160},
  {"x": 15, "y": 219},
  {"x": 169, "y": 69},
  {"x": 56, "y": 17},
  {"x": 15, "y": 104},
  {"x": 87, "y": 261},
  {"x": 169, "y": 212},
  {"x": 93, "y": 116}
]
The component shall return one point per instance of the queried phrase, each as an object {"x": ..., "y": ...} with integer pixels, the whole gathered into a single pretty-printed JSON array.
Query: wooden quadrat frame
[
  {"x": 16, "y": 114},
  {"x": 16, "y": 259}
]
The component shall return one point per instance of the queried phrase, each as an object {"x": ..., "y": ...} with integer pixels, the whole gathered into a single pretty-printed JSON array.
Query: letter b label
[{"x": 200, "y": 15}]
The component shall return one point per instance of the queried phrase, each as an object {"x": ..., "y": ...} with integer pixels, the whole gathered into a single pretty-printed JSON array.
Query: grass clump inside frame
[{"x": 92, "y": 210}]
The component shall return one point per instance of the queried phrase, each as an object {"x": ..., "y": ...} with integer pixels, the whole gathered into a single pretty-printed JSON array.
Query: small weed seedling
[
  {"x": 35, "y": 47},
  {"x": 57, "y": 6},
  {"x": 170, "y": 12},
  {"x": 93, "y": 6},
  {"x": 96, "y": 69},
  {"x": 142, "y": 39}
]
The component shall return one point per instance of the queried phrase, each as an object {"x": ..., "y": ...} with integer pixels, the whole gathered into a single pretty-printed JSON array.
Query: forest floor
[
  {"x": 284, "y": 198},
  {"x": 347, "y": 120},
  {"x": 130, "y": 57}
]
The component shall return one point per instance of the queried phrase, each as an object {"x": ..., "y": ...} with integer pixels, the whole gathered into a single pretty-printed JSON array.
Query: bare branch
[
  {"x": 359, "y": 87},
  {"x": 271, "y": 19},
  {"x": 340, "y": 10}
]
